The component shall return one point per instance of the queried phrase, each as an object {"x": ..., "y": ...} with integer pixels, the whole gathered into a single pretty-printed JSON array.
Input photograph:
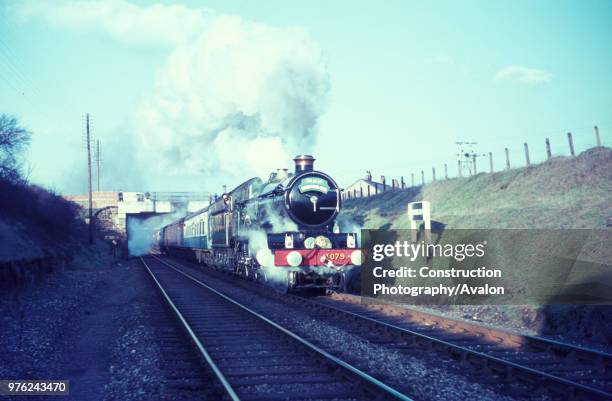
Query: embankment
[
  {"x": 562, "y": 193},
  {"x": 39, "y": 232}
]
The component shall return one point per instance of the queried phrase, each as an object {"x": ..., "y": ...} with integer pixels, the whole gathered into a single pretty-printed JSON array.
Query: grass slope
[
  {"x": 35, "y": 223},
  {"x": 563, "y": 192}
]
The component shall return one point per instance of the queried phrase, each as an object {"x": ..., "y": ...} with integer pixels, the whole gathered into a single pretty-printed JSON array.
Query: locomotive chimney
[{"x": 303, "y": 164}]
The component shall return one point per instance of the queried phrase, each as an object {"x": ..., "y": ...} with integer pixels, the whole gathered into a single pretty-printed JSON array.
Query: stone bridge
[{"x": 113, "y": 211}]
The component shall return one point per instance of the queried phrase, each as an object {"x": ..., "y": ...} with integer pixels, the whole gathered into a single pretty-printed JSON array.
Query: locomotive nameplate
[{"x": 316, "y": 184}]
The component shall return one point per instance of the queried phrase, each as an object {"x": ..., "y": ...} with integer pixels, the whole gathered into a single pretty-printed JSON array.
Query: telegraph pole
[
  {"x": 89, "y": 179},
  {"x": 467, "y": 158},
  {"x": 98, "y": 162}
]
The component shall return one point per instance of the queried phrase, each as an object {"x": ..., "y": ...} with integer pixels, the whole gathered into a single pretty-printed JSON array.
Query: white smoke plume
[
  {"x": 234, "y": 98},
  {"x": 141, "y": 232},
  {"x": 241, "y": 97},
  {"x": 276, "y": 276}
]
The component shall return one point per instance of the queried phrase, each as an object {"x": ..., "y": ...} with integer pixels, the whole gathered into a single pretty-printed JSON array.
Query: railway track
[
  {"x": 252, "y": 357},
  {"x": 565, "y": 371},
  {"x": 562, "y": 370}
]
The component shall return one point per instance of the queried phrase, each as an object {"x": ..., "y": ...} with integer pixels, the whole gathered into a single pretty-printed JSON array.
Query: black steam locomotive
[{"x": 283, "y": 230}]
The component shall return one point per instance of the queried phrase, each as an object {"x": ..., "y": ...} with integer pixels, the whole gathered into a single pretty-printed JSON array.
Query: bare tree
[{"x": 14, "y": 139}]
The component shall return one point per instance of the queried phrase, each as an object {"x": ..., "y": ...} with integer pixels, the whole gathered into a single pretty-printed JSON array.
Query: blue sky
[{"x": 178, "y": 90}]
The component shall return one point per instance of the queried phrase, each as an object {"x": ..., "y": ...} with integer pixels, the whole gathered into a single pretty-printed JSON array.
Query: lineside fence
[{"x": 476, "y": 164}]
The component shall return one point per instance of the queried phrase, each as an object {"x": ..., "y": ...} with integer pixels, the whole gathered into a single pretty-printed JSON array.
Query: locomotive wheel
[
  {"x": 343, "y": 283},
  {"x": 320, "y": 291},
  {"x": 260, "y": 276},
  {"x": 246, "y": 273}
]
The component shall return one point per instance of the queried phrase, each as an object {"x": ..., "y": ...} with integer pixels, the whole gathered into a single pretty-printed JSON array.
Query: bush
[
  {"x": 13, "y": 141},
  {"x": 44, "y": 213}
]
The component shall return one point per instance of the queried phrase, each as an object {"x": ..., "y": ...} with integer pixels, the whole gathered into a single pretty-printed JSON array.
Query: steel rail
[
  {"x": 459, "y": 349},
  {"x": 224, "y": 383},
  {"x": 375, "y": 383},
  {"x": 436, "y": 319},
  {"x": 464, "y": 350}
]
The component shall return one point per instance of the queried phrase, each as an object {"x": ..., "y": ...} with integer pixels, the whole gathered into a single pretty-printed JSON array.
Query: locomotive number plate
[{"x": 336, "y": 256}]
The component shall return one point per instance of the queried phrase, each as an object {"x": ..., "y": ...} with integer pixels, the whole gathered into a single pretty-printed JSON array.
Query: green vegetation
[{"x": 563, "y": 192}]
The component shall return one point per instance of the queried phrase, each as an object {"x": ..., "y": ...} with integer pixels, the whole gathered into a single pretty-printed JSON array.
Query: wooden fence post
[
  {"x": 491, "y": 161},
  {"x": 474, "y": 163},
  {"x": 459, "y": 168},
  {"x": 597, "y": 139},
  {"x": 507, "y": 159},
  {"x": 445, "y": 171},
  {"x": 422, "y": 177},
  {"x": 361, "y": 191},
  {"x": 392, "y": 184},
  {"x": 412, "y": 180},
  {"x": 571, "y": 143},
  {"x": 355, "y": 193},
  {"x": 433, "y": 173},
  {"x": 527, "y": 154},
  {"x": 369, "y": 190},
  {"x": 403, "y": 183},
  {"x": 548, "y": 152}
]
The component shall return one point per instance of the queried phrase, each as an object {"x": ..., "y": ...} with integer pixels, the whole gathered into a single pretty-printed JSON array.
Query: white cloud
[
  {"x": 156, "y": 24},
  {"x": 529, "y": 76}
]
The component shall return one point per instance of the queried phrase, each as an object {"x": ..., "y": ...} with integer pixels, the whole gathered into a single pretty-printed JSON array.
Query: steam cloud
[
  {"x": 234, "y": 97},
  {"x": 240, "y": 96},
  {"x": 141, "y": 231}
]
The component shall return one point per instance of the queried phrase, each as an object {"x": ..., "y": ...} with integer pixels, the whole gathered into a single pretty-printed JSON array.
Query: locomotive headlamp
[
  {"x": 289, "y": 241},
  {"x": 309, "y": 243},
  {"x": 294, "y": 258},
  {"x": 356, "y": 257},
  {"x": 350, "y": 240}
]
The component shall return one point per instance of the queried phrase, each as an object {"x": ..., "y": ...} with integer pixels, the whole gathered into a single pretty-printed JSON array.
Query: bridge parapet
[{"x": 112, "y": 208}]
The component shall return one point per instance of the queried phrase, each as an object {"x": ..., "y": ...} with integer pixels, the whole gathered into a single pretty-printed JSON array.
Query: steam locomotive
[{"x": 282, "y": 230}]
